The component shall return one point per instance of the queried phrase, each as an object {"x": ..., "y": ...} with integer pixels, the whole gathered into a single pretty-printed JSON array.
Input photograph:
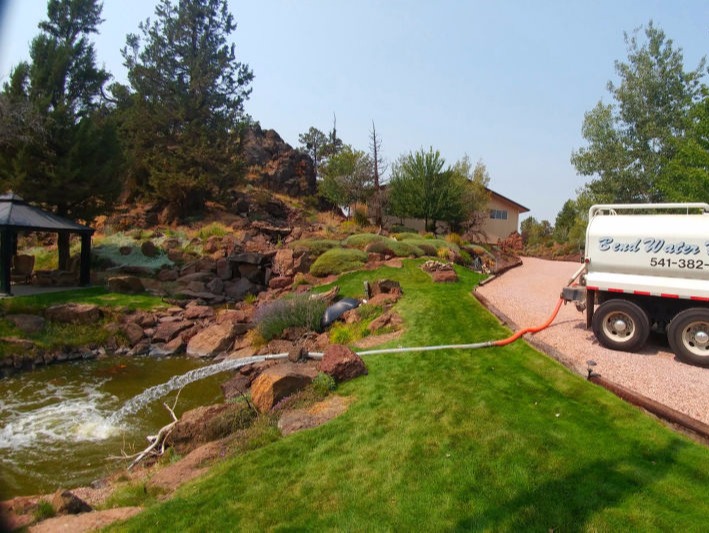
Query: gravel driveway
[{"x": 526, "y": 296}]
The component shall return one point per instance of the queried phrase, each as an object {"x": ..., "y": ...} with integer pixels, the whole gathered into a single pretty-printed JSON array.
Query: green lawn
[{"x": 497, "y": 439}]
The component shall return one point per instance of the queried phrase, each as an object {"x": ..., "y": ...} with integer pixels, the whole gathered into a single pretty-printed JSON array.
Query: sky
[{"x": 504, "y": 82}]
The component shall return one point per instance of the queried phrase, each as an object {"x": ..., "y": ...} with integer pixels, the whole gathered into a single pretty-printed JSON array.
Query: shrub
[
  {"x": 455, "y": 239},
  {"x": 402, "y": 235},
  {"x": 338, "y": 260},
  {"x": 297, "y": 311},
  {"x": 360, "y": 217},
  {"x": 323, "y": 384},
  {"x": 314, "y": 246},
  {"x": 43, "y": 510},
  {"x": 400, "y": 228},
  {"x": 341, "y": 333},
  {"x": 362, "y": 240},
  {"x": 215, "y": 229},
  {"x": 395, "y": 248}
]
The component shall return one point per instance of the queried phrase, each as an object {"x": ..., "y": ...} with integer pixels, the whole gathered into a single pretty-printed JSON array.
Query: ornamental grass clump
[
  {"x": 394, "y": 248},
  {"x": 299, "y": 311},
  {"x": 362, "y": 240},
  {"x": 337, "y": 261}
]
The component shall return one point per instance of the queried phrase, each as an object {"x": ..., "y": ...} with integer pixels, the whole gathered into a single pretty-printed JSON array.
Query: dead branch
[{"x": 155, "y": 441}]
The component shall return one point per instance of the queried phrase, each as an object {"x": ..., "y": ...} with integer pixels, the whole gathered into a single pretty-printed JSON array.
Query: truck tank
[{"x": 665, "y": 255}]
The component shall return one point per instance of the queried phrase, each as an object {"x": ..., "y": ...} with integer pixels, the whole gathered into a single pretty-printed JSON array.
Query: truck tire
[
  {"x": 688, "y": 335},
  {"x": 621, "y": 325}
]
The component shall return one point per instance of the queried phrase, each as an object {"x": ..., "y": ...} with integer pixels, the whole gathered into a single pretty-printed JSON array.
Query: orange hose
[{"x": 534, "y": 329}]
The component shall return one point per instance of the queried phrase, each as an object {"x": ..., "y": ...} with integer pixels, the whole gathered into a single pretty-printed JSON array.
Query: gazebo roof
[{"x": 17, "y": 214}]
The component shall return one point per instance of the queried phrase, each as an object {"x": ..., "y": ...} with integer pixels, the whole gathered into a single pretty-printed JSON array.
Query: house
[
  {"x": 500, "y": 219},
  {"x": 503, "y": 217}
]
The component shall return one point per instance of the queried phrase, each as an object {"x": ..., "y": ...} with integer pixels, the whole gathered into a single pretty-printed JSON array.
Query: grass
[
  {"x": 501, "y": 439},
  {"x": 91, "y": 295},
  {"x": 337, "y": 261},
  {"x": 55, "y": 335}
]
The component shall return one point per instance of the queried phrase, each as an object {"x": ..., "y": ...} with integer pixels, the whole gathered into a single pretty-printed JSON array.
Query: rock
[
  {"x": 207, "y": 423},
  {"x": 385, "y": 286},
  {"x": 66, "y": 502},
  {"x": 274, "y": 164},
  {"x": 194, "y": 312},
  {"x": 133, "y": 332},
  {"x": 215, "y": 286},
  {"x": 314, "y": 416},
  {"x": 277, "y": 382},
  {"x": 341, "y": 363},
  {"x": 297, "y": 353},
  {"x": 166, "y": 331},
  {"x": 239, "y": 289},
  {"x": 28, "y": 324},
  {"x": 223, "y": 269},
  {"x": 235, "y": 386},
  {"x": 125, "y": 250},
  {"x": 166, "y": 349},
  {"x": 387, "y": 320},
  {"x": 280, "y": 282},
  {"x": 125, "y": 284},
  {"x": 167, "y": 274},
  {"x": 444, "y": 276},
  {"x": 283, "y": 262},
  {"x": 148, "y": 249},
  {"x": 384, "y": 300},
  {"x": 212, "y": 340},
  {"x": 72, "y": 313}
]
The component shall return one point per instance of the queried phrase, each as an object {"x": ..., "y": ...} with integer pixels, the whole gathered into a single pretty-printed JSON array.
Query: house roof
[
  {"x": 17, "y": 214},
  {"x": 519, "y": 207}
]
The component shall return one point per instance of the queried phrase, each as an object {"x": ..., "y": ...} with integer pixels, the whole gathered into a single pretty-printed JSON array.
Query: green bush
[
  {"x": 314, "y": 246},
  {"x": 395, "y": 248},
  {"x": 323, "y": 384},
  {"x": 401, "y": 235},
  {"x": 337, "y": 261},
  {"x": 362, "y": 240},
  {"x": 43, "y": 510},
  {"x": 300, "y": 310},
  {"x": 215, "y": 229}
]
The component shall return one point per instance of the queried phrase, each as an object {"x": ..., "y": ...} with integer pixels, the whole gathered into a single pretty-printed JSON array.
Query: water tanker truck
[{"x": 647, "y": 269}]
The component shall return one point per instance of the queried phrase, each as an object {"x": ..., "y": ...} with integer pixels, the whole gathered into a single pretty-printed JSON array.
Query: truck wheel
[
  {"x": 688, "y": 335},
  {"x": 621, "y": 325}
]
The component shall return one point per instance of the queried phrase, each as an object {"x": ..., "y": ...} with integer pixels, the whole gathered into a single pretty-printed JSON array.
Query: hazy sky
[{"x": 506, "y": 82}]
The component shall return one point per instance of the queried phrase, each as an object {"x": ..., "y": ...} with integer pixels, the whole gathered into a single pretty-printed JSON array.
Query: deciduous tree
[
  {"x": 631, "y": 141},
  {"x": 347, "y": 178}
]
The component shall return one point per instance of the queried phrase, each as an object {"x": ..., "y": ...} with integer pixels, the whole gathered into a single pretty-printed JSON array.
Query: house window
[{"x": 499, "y": 214}]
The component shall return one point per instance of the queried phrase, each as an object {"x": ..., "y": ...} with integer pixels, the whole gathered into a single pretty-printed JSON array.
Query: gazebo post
[
  {"x": 85, "y": 261},
  {"x": 5, "y": 260}
]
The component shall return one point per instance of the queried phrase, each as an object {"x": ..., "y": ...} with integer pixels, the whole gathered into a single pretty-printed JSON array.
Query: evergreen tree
[
  {"x": 183, "y": 116},
  {"x": 62, "y": 150}
]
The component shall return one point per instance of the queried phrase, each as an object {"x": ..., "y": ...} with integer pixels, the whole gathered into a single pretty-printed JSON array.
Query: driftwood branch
[{"x": 157, "y": 442}]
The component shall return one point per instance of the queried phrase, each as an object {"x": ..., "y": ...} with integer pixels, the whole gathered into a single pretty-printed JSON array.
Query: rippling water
[{"x": 59, "y": 424}]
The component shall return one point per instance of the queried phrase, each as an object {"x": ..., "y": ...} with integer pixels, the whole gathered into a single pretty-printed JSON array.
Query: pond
[{"x": 60, "y": 424}]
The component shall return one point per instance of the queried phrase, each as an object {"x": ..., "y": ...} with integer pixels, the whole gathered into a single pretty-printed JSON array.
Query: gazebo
[{"x": 17, "y": 215}]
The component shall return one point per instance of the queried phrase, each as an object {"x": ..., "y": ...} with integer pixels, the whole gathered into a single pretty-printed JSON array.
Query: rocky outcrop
[
  {"x": 341, "y": 363},
  {"x": 274, "y": 164}
]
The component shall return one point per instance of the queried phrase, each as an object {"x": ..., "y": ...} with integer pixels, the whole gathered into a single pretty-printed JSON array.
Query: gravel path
[{"x": 526, "y": 296}]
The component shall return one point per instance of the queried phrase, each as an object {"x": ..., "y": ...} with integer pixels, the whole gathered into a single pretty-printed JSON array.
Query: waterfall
[{"x": 177, "y": 382}]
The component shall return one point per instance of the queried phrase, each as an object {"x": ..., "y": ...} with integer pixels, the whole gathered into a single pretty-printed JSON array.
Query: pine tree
[{"x": 184, "y": 108}]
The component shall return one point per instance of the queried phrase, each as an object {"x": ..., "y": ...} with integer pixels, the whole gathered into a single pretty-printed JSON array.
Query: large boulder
[
  {"x": 212, "y": 340},
  {"x": 278, "y": 382},
  {"x": 28, "y": 324},
  {"x": 125, "y": 284},
  {"x": 341, "y": 363}
]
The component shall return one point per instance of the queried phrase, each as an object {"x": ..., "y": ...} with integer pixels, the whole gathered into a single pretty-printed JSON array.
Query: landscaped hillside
[{"x": 498, "y": 439}]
